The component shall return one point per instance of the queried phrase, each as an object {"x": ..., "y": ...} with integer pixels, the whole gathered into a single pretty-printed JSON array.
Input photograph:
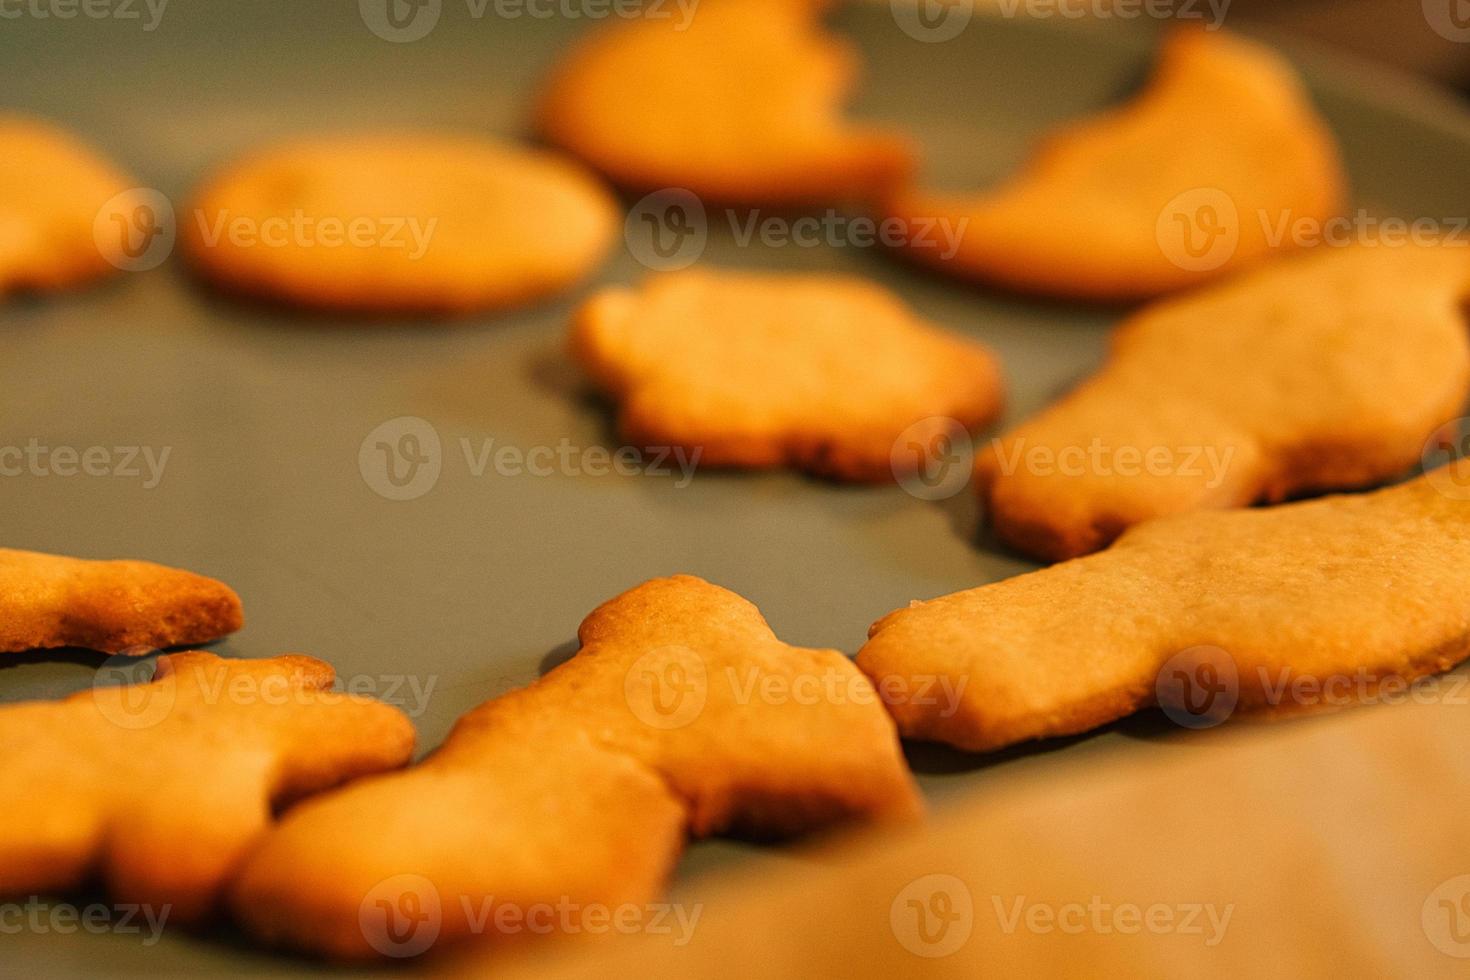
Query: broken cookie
[
  {"x": 49, "y": 601},
  {"x": 54, "y": 191},
  {"x": 1324, "y": 371},
  {"x": 1184, "y": 184},
  {"x": 824, "y": 373},
  {"x": 1249, "y": 606},
  {"x": 737, "y": 102},
  {"x": 158, "y": 788},
  {"x": 400, "y": 223},
  {"x": 681, "y": 714}
]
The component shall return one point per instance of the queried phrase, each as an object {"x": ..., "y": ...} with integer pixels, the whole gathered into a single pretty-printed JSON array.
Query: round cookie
[
  {"x": 399, "y": 223},
  {"x": 52, "y": 190}
]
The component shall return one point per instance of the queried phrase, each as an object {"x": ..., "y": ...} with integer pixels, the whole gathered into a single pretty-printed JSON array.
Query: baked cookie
[
  {"x": 400, "y": 223},
  {"x": 738, "y": 102},
  {"x": 159, "y": 788},
  {"x": 1189, "y": 181},
  {"x": 681, "y": 713},
  {"x": 52, "y": 189},
  {"x": 136, "y": 607},
  {"x": 1361, "y": 590},
  {"x": 824, "y": 373},
  {"x": 1323, "y": 371}
]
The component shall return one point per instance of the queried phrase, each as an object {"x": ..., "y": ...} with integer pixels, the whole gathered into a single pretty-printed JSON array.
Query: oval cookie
[
  {"x": 399, "y": 223},
  {"x": 52, "y": 191},
  {"x": 1192, "y": 179}
]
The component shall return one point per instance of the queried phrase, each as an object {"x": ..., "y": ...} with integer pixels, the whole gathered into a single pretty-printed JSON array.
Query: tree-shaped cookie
[
  {"x": 49, "y": 601},
  {"x": 158, "y": 789},
  {"x": 1324, "y": 603},
  {"x": 681, "y": 714}
]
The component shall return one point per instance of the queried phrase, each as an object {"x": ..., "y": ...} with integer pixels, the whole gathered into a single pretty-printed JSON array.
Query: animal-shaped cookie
[
  {"x": 1326, "y": 370},
  {"x": 52, "y": 191},
  {"x": 739, "y": 103},
  {"x": 1191, "y": 180},
  {"x": 400, "y": 223},
  {"x": 681, "y": 713},
  {"x": 1252, "y": 607},
  {"x": 158, "y": 789},
  {"x": 824, "y": 373},
  {"x": 137, "y": 607}
]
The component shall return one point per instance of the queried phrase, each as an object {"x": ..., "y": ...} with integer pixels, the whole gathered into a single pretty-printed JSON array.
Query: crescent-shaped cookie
[{"x": 1189, "y": 181}]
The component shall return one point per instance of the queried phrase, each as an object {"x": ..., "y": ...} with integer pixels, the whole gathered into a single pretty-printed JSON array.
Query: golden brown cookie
[
  {"x": 824, "y": 373},
  {"x": 681, "y": 713},
  {"x": 737, "y": 101},
  {"x": 1187, "y": 182},
  {"x": 1254, "y": 605},
  {"x": 134, "y": 607},
  {"x": 159, "y": 788},
  {"x": 1324, "y": 371},
  {"x": 400, "y": 223},
  {"x": 52, "y": 189}
]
